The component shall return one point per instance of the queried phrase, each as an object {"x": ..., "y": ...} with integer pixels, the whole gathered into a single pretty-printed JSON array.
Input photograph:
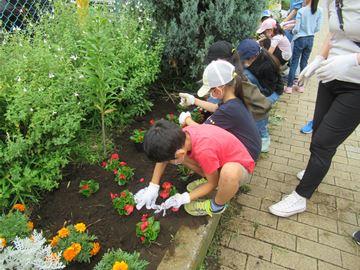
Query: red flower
[
  {"x": 165, "y": 194},
  {"x": 114, "y": 156},
  {"x": 152, "y": 121},
  {"x": 122, "y": 176},
  {"x": 122, "y": 163},
  {"x": 115, "y": 171},
  {"x": 103, "y": 164},
  {"x": 166, "y": 185},
  {"x": 113, "y": 196},
  {"x": 129, "y": 209},
  {"x": 123, "y": 194},
  {"x": 144, "y": 217},
  {"x": 174, "y": 209},
  {"x": 141, "y": 180},
  {"x": 85, "y": 187},
  {"x": 142, "y": 238},
  {"x": 171, "y": 115},
  {"x": 144, "y": 225}
]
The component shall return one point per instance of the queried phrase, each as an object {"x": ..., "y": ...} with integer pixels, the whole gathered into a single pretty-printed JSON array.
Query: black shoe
[{"x": 356, "y": 237}]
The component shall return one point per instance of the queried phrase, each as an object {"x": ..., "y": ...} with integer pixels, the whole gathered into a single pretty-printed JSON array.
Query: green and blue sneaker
[{"x": 201, "y": 208}]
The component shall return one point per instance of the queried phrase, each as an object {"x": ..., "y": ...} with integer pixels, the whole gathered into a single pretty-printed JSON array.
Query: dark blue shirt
[{"x": 234, "y": 117}]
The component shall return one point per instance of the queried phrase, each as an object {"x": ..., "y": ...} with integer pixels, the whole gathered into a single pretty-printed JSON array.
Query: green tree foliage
[{"x": 191, "y": 26}]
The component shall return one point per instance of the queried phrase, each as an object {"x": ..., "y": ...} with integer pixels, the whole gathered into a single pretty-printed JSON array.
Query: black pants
[{"x": 336, "y": 116}]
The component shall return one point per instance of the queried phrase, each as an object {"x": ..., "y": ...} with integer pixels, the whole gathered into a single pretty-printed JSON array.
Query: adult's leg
[
  {"x": 337, "y": 123},
  {"x": 298, "y": 46},
  {"x": 231, "y": 175},
  {"x": 309, "y": 41}
]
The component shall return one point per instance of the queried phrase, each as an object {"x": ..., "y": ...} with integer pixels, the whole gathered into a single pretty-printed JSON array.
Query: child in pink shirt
[{"x": 210, "y": 151}]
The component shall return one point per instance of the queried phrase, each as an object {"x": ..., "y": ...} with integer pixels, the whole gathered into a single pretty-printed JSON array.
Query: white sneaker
[
  {"x": 300, "y": 175},
  {"x": 289, "y": 205},
  {"x": 265, "y": 144}
]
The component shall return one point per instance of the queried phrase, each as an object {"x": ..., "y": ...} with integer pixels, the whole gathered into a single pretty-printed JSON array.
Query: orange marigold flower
[
  {"x": 54, "y": 241},
  {"x": 2, "y": 242},
  {"x": 63, "y": 232},
  {"x": 120, "y": 266},
  {"x": 95, "y": 249},
  {"x": 30, "y": 225},
  {"x": 80, "y": 227},
  {"x": 71, "y": 252},
  {"x": 19, "y": 206}
]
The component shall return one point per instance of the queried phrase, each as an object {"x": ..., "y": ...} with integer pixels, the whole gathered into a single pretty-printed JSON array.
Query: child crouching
[{"x": 208, "y": 150}]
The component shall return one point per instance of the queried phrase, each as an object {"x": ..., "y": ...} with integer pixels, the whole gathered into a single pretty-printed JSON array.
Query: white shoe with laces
[
  {"x": 300, "y": 175},
  {"x": 289, "y": 205}
]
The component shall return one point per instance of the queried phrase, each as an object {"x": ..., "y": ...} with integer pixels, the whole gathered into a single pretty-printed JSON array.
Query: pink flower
[
  {"x": 165, "y": 194},
  {"x": 114, "y": 156},
  {"x": 144, "y": 217},
  {"x": 113, "y": 196},
  {"x": 141, "y": 180},
  {"x": 103, "y": 164},
  {"x": 144, "y": 225},
  {"x": 129, "y": 209},
  {"x": 174, "y": 209},
  {"x": 122, "y": 176},
  {"x": 115, "y": 171},
  {"x": 122, "y": 163}
]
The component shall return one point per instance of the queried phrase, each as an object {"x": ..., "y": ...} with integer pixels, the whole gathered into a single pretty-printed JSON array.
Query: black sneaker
[{"x": 356, "y": 237}]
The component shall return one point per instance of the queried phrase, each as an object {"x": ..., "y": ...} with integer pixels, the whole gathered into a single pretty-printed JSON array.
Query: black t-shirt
[{"x": 234, "y": 117}]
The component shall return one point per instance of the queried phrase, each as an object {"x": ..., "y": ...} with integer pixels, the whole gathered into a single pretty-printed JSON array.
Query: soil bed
[{"x": 113, "y": 231}]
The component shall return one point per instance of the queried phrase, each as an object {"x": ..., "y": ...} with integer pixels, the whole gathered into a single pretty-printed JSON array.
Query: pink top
[
  {"x": 284, "y": 45},
  {"x": 213, "y": 146}
]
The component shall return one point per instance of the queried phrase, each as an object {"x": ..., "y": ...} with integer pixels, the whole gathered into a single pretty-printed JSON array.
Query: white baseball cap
[{"x": 217, "y": 73}]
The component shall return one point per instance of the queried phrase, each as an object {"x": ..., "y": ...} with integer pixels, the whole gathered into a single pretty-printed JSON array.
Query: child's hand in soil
[
  {"x": 147, "y": 196},
  {"x": 177, "y": 200}
]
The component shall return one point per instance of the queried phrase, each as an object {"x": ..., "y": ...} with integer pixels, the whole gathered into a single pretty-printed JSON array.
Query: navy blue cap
[{"x": 248, "y": 48}]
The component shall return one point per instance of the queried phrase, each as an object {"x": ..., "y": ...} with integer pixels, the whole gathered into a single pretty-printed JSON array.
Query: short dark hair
[{"x": 162, "y": 141}]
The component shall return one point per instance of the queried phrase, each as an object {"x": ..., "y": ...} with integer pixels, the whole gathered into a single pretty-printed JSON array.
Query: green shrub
[
  {"x": 131, "y": 259},
  {"x": 64, "y": 80},
  {"x": 190, "y": 27},
  {"x": 14, "y": 224}
]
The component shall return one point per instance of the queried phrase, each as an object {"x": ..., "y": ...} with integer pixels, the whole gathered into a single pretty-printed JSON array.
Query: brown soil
[{"x": 66, "y": 205}]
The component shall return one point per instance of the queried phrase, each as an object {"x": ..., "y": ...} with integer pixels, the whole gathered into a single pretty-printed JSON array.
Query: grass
[{"x": 245, "y": 188}]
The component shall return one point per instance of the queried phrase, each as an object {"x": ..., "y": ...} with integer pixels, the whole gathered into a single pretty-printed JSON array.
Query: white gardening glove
[
  {"x": 336, "y": 66},
  {"x": 147, "y": 196},
  {"x": 183, "y": 116},
  {"x": 310, "y": 69},
  {"x": 177, "y": 200},
  {"x": 186, "y": 99}
]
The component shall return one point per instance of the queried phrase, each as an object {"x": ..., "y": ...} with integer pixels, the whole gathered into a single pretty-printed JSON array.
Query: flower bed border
[{"x": 191, "y": 246}]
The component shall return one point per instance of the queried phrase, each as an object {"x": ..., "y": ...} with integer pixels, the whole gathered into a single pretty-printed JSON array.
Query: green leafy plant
[
  {"x": 123, "y": 203},
  {"x": 245, "y": 188},
  {"x": 138, "y": 135},
  {"x": 75, "y": 244},
  {"x": 148, "y": 229},
  {"x": 172, "y": 118},
  {"x": 13, "y": 224},
  {"x": 197, "y": 115},
  {"x": 184, "y": 172},
  {"x": 132, "y": 260},
  {"x": 112, "y": 163},
  {"x": 88, "y": 187},
  {"x": 123, "y": 174}
]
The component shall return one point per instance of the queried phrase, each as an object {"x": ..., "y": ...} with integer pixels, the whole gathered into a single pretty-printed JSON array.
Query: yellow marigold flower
[
  {"x": 54, "y": 241},
  {"x": 120, "y": 266},
  {"x": 80, "y": 227},
  {"x": 2, "y": 242},
  {"x": 95, "y": 249},
  {"x": 30, "y": 225},
  {"x": 71, "y": 252},
  {"x": 63, "y": 232},
  {"x": 19, "y": 206}
]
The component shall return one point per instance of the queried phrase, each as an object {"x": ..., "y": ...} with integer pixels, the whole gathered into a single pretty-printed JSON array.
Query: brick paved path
[{"x": 320, "y": 238}]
